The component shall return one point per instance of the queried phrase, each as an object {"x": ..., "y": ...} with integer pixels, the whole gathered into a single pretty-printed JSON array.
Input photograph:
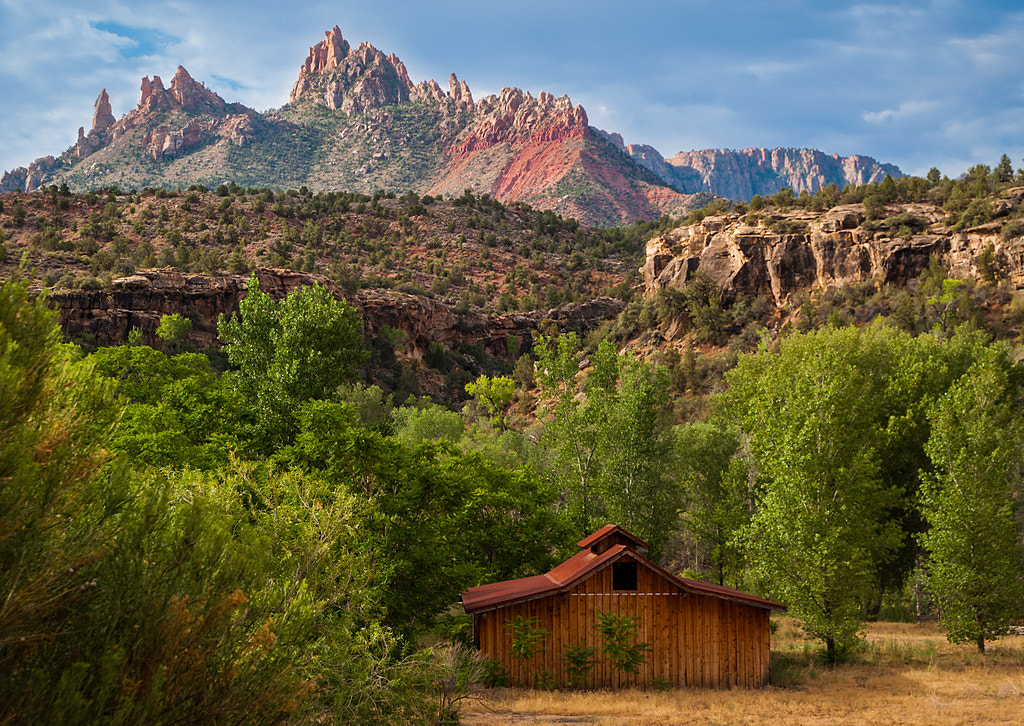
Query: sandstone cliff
[
  {"x": 739, "y": 175},
  {"x": 744, "y": 254},
  {"x": 105, "y": 317}
]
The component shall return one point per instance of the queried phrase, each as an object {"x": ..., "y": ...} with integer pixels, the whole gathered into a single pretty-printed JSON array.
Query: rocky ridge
[
  {"x": 740, "y": 174},
  {"x": 355, "y": 121},
  {"x": 744, "y": 254},
  {"x": 513, "y": 146},
  {"x": 169, "y": 122},
  {"x": 139, "y": 300}
]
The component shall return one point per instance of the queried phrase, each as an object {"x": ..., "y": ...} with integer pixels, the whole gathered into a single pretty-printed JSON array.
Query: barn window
[{"x": 624, "y": 575}]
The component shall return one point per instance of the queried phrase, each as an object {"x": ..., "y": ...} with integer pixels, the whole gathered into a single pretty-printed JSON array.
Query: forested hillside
[{"x": 273, "y": 529}]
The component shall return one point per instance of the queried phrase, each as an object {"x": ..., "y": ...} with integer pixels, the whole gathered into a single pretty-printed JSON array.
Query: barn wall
[{"x": 696, "y": 640}]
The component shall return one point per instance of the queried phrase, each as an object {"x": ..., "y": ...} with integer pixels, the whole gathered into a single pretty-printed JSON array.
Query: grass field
[{"x": 904, "y": 674}]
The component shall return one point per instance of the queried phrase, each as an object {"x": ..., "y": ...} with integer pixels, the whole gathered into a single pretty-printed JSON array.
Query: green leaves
[
  {"x": 527, "y": 636},
  {"x": 291, "y": 351},
  {"x": 815, "y": 414},
  {"x": 617, "y": 633},
  {"x": 605, "y": 438},
  {"x": 970, "y": 501},
  {"x": 495, "y": 394}
]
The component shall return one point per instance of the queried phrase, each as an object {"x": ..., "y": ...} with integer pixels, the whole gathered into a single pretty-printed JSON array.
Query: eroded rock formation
[
  {"x": 139, "y": 300},
  {"x": 740, "y": 174},
  {"x": 782, "y": 254}
]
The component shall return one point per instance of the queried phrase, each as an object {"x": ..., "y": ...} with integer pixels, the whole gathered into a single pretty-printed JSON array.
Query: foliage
[
  {"x": 579, "y": 661},
  {"x": 291, "y": 351},
  {"x": 238, "y": 595},
  {"x": 617, "y": 632},
  {"x": 970, "y": 502},
  {"x": 835, "y": 426},
  {"x": 717, "y": 494},
  {"x": 177, "y": 412},
  {"x": 528, "y": 636},
  {"x": 173, "y": 328},
  {"x": 441, "y": 516},
  {"x": 494, "y": 393},
  {"x": 415, "y": 425},
  {"x": 603, "y": 440}
]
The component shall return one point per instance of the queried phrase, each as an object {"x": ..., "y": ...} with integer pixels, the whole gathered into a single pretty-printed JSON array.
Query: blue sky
[{"x": 920, "y": 83}]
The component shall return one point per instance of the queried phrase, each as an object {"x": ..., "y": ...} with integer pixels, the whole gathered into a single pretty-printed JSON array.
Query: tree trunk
[
  {"x": 830, "y": 650},
  {"x": 981, "y": 643}
]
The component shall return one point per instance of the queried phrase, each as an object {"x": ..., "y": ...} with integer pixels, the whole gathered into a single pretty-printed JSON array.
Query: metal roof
[
  {"x": 607, "y": 531},
  {"x": 579, "y": 567}
]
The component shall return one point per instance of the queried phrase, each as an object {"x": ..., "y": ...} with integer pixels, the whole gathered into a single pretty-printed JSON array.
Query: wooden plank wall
[{"x": 697, "y": 640}]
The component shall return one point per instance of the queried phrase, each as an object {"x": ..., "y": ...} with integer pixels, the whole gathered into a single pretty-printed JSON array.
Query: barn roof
[
  {"x": 608, "y": 531},
  {"x": 581, "y": 565}
]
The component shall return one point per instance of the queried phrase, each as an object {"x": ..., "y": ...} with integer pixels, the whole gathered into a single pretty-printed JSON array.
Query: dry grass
[{"x": 904, "y": 674}]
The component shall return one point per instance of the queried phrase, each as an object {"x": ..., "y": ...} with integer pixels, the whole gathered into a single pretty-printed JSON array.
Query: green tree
[
  {"x": 970, "y": 501},
  {"x": 290, "y": 351},
  {"x": 603, "y": 439},
  {"x": 835, "y": 422},
  {"x": 717, "y": 497},
  {"x": 414, "y": 425},
  {"x": 159, "y": 598},
  {"x": 173, "y": 329},
  {"x": 1004, "y": 170},
  {"x": 446, "y": 520},
  {"x": 495, "y": 394},
  {"x": 819, "y": 534},
  {"x": 572, "y": 431},
  {"x": 633, "y": 449}
]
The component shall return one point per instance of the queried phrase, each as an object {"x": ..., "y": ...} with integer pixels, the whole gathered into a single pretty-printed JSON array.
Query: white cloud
[
  {"x": 904, "y": 110},
  {"x": 771, "y": 70}
]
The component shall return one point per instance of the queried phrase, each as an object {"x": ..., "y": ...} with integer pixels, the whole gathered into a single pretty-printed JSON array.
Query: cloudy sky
[{"x": 919, "y": 83}]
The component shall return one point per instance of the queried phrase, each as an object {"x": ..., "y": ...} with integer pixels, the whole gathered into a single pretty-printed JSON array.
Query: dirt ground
[{"x": 905, "y": 674}]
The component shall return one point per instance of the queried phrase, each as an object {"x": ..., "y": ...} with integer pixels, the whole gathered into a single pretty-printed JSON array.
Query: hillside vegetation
[{"x": 272, "y": 531}]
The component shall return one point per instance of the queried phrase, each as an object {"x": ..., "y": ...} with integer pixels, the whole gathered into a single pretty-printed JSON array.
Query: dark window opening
[{"x": 624, "y": 575}]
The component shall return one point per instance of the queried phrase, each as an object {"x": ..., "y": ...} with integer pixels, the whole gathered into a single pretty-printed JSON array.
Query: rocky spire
[
  {"x": 103, "y": 118},
  {"x": 459, "y": 91},
  {"x": 323, "y": 56},
  {"x": 192, "y": 95}
]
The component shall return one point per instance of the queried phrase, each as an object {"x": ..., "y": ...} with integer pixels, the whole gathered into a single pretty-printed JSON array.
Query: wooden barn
[{"x": 699, "y": 634}]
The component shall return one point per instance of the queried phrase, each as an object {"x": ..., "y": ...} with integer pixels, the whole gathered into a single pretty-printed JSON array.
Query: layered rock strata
[
  {"x": 766, "y": 257},
  {"x": 139, "y": 301},
  {"x": 740, "y": 174}
]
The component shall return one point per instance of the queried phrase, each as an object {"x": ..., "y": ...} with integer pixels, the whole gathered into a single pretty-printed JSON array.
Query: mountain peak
[
  {"x": 103, "y": 117},
  {"x": 323, "y": 56}
]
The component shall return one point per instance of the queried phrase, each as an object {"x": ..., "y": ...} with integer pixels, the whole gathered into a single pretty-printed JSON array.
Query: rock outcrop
[
  {"x": 138, "y": 301},
  {"x": 767, "y": 257},
  {"x": 512, "y": 146},
  {"x": 103, "y": 116},
  {"x": 739, "y": 175},
  {"x": 356, "y": 81},
  {"x": 382, "y": 131}
]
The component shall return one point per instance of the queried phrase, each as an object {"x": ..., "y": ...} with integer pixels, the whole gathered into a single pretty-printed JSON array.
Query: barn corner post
[{"x": 671, "y": 630}]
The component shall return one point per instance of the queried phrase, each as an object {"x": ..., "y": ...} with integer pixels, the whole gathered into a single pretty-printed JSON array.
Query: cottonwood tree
[
  {"x": 717, "y": 494},
  {"x": 819, "y": 532},
  {"x": 970, "y": 502},
  {"x": 835, "y": 423},
  {"x": 286, "y": 352},
  {"x": 572, "y": 430},
  {"x": 605, "y": 437}
]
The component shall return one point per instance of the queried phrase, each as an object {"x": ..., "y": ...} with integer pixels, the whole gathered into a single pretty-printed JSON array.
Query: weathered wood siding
[{"x": 696, "y": 640}]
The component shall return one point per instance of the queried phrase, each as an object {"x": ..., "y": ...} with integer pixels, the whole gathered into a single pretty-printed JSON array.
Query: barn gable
[{"x": 700, "y": 634}]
